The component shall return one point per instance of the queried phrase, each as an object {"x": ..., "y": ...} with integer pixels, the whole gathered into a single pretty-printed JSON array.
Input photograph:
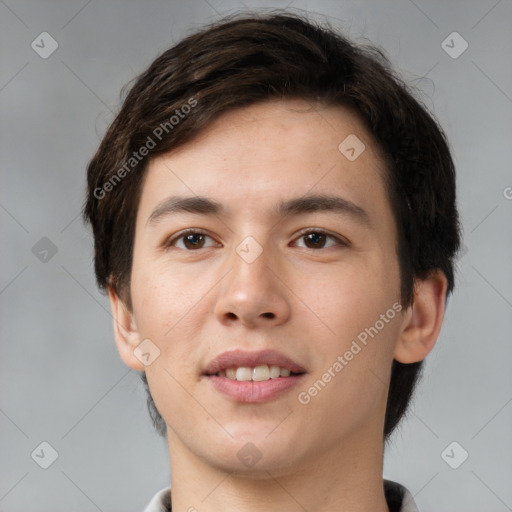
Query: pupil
[
  {"x": 193, "y": 235},
  {"x": 316, "y": 238}
]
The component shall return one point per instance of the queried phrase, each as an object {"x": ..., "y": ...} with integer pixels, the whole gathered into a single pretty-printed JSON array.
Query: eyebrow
[{"x": 201, "y": 205}]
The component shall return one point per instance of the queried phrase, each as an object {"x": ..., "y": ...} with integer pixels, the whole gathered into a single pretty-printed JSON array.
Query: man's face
[{"x": 304, "y": 284}]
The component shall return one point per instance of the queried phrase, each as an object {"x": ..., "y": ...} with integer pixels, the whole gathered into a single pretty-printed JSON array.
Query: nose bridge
[
  {"x": 250, "y": 267},
  {"x": 251, "y": 291}
]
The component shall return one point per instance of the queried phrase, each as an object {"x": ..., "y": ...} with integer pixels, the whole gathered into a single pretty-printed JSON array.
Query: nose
[{"x": 253, "y": 293}]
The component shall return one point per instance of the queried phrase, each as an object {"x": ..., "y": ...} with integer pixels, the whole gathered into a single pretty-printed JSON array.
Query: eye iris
[
  {"x": 316, "y": 238},
  {"x": 313, "y": 240},
  {"x": 188, "y": 238}
]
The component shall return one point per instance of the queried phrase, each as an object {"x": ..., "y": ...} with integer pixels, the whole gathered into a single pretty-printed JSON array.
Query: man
[{"x": 275, "y": 224}]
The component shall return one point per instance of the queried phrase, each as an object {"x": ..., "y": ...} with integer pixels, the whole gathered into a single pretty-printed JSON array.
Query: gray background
[{"x": 61, "y": 378}]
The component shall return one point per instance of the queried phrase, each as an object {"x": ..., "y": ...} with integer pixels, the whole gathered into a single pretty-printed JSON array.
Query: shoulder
[
  {"x": 161, "y": 501},
  {"x": 398, "y": 498}
]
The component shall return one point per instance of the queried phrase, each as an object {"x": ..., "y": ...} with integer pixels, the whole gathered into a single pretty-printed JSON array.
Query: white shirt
[{"x": 398, "y": 498}]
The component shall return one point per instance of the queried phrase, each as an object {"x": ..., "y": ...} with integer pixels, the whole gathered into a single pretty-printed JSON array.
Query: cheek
[
  {"x": 165, "y": 303},
  {"x": 355, "y": 353},
  {"x": 167, "y": 312},
  {"x": 348, "y": 298},
  {"x": 350, "y": 302}
]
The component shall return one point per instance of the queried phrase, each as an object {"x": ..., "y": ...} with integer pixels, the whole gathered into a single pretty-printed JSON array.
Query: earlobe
[
  {"x": 423, "y": 319},
  {"x": 125, "y": 331}
]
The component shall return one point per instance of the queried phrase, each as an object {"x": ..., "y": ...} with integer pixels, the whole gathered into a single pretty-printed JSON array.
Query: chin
[
  {"x": 259, "y": 470},
  {"x": 254, "y": 454}
]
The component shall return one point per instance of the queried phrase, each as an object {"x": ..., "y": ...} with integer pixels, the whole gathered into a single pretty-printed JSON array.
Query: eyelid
[
  {"x": 169, "y": 241},
  {"x": 177, "y": 236},
  {"x": 342, "y": 240}
]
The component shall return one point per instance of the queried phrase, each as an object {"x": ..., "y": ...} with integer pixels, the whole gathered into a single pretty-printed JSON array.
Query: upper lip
[{"x": 237, "y": 358}]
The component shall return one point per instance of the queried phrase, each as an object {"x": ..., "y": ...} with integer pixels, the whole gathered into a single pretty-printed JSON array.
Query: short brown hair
[{"x": 245, "y": 59}]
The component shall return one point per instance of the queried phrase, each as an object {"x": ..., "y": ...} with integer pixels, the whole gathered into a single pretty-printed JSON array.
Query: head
[{"x": 252, "y": 111}]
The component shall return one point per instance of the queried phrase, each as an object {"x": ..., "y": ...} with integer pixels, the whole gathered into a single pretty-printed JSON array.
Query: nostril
[{"x": 269, "y": 315}]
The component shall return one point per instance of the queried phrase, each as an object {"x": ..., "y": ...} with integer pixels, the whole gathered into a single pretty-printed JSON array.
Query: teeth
[
  {"x": 275, "y": 372},
  {"x": 243, "y": 373},
  {"x": 256, "y": 374},
  {"x": 260, "y": 373}
]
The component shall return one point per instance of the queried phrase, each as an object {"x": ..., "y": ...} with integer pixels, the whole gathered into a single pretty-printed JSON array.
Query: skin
[{"x": 195, "y": 303}]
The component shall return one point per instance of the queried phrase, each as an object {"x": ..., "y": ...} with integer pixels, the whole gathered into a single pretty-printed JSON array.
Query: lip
[
  {"x": 251, "y": 391},
  {"x": 254, "y": 392},
  {"x": 236, "y": 358}
]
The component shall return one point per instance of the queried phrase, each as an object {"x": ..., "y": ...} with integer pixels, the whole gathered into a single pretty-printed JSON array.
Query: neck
[{"x": 347, "y": 477}]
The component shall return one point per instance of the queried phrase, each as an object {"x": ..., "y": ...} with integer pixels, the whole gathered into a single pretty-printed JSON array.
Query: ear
[
  {"x": 125, "y": 331},
  {"x": 423, "y": 319}
]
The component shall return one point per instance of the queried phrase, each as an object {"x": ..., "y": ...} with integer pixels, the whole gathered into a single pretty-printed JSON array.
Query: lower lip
[{"x": 254, "y": 392}]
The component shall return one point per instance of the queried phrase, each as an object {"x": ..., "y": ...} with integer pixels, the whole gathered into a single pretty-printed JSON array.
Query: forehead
[{"x": 252, "y": 158}]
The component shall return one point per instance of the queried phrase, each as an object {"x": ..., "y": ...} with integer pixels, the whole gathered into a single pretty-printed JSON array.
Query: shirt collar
[{"x": 398, "y": 498}]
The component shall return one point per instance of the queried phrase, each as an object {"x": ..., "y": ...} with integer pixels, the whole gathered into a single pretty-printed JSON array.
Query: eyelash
[{"x": 170, "y": 241}]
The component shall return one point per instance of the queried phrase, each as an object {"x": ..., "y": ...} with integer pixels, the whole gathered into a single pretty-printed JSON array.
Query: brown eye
[
  {"x": 316, "y": 239},
  {"x": 192, "y": 239}
]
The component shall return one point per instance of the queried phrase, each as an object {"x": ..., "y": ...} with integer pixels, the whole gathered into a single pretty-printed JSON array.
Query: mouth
[
  {"x": 259, "y": 373},
  {"x": 253, "y": 376}
]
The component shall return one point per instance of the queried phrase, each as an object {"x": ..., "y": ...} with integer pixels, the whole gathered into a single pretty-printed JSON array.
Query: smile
[
  {"x": 257, "y": 374},
  {"x": 253, "y": 377}
]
